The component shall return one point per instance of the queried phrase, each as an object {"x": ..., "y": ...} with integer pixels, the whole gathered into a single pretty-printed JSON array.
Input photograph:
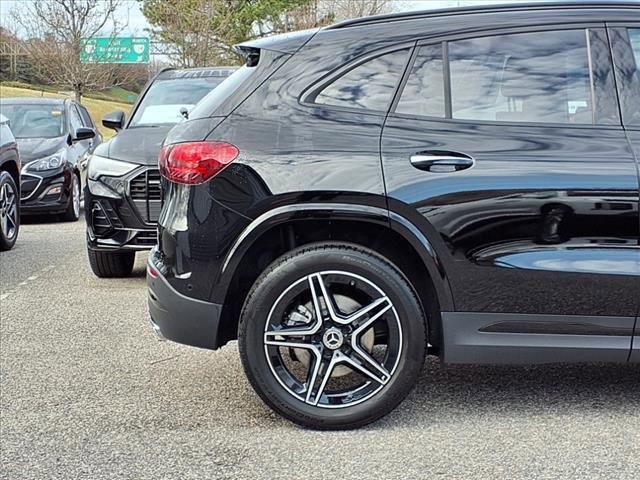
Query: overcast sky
[{"x": 130, "y": 12}]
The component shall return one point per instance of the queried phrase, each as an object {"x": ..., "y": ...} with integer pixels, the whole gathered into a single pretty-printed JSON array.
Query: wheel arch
[
  {"x": 285, "y": 228},
  {"x": 12, "y": 169}
]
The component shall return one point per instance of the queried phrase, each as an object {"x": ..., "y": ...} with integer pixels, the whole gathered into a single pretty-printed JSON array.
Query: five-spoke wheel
[
  {"x": 310, "y": 324},
  {"x": 9, "y": 213},
  {"x": 332, "y": 336}
]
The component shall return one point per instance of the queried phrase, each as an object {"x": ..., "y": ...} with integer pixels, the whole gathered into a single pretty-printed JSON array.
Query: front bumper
[
  {"x": 127, "y": 222},
  {"x": 45, "y": 193},
  {"x": 177, "y": 317}
]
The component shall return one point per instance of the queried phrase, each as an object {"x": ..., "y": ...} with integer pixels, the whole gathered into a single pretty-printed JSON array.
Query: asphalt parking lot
[{"x": 88, "y": 391}]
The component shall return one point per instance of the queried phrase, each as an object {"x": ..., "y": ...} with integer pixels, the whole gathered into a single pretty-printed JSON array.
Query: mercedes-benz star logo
[{"x": 333, "y": 339}]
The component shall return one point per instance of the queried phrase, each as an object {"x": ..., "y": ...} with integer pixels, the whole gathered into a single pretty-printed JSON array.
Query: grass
[
  {"x": 122, "y": 94},
  {"x": 97, "y": 108}
]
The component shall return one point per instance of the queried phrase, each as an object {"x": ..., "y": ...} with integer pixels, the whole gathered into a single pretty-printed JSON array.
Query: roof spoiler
[{"x": 287, "y": 43}]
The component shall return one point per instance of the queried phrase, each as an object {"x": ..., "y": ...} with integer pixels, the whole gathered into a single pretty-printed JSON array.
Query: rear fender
[{"x": 337, "y": 211}]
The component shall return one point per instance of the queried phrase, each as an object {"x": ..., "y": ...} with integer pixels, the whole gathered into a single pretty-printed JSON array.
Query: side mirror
[
  {"x": 184, "y": 112},
  {"x": 114, "y": 120},
  {"x": 83, "y": 133}
]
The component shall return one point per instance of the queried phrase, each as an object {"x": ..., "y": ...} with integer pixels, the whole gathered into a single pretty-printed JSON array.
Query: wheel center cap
[{"x": 333, "y": 339}]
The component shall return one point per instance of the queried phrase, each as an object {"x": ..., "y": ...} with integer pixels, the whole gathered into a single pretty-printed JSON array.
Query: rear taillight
[{"x": 195, "y": 162}]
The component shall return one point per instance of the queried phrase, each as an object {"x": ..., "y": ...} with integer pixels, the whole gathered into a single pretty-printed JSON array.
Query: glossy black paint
[
  {"x": 78, "y": 144},
  {"x": 545, "y": 223},
  {"x": 628, "y": 79},
  {"x": 139, "y": 145},
  {"x": 9, "y": 156},
  {"x": 114, "y": 120},
  {"x": 132, "y": 225},
  {"x": 199, "y": 325}
]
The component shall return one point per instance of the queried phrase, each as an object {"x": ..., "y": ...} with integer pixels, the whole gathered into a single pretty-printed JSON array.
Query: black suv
[
  {"x": 9, "y": 186},
  {"x": 461, "y": 183},
  {"x": 123, "y": 191}
]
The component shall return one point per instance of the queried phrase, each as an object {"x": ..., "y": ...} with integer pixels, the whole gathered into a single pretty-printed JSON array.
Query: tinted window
[
  {"x": 369, "y": 85},
  {"x": 528, "y": 77},
  {"x": 164, "y": 99},
  {"x": 634, "y": 36},
  {"x": 35, "y": 121},
  {"x": 217, "y": 96},
  {"x": 626, "y": 53},
  {"x": 423, "y": 94},
  {"x": 632, "y": 107}
]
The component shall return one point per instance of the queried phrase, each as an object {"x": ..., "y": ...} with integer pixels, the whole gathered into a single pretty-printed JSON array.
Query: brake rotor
[{"x": 303, "y": 316}]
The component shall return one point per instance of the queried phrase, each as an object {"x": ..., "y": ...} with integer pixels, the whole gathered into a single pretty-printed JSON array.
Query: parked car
[
  {"x": 461, "y": 183},
  {"x": 123, "y": 192},
  {"x": 9, "y": 186},
  {"x": 54, "y": 136}
]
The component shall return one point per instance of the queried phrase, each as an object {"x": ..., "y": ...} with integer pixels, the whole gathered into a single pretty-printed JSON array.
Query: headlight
[
  {"x": 48, "y": 163},
  {"x": 99, "y": 166}
]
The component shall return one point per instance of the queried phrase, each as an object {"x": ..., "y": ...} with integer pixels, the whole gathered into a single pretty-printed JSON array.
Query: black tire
[
  {"x": 9, "y": 212},
  {"x": 72, "y": 213},
  {"x": 111, "y": 264},
  {"x": 290, "y": 273}
]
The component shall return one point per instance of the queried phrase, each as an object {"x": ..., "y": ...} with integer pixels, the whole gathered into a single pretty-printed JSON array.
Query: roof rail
[{"x": 572, "y": 4}]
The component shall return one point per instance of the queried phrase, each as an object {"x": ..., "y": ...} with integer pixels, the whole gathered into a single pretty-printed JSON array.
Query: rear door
[
  {"x": 625, "y": 42},
  {"x": 510, "y": 147}
]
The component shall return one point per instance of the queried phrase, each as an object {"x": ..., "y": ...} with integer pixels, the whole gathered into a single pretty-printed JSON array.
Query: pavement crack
[{"x": 164, "y": 360}]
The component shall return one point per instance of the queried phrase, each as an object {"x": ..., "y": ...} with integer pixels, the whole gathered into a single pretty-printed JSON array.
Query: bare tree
[
  {"x": 345, "y": 9},
  {"x": 53, "y": 31}
]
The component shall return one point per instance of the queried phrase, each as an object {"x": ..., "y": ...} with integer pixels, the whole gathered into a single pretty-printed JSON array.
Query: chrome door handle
[{"x": 441, "y": 161}]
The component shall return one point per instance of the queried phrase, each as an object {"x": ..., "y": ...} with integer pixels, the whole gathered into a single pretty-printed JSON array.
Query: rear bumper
[{"x": 180, "y": 318}]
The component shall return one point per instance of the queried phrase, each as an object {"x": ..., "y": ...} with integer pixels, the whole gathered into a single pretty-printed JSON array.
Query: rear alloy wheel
[
  {"x": 332, "y": 336},
  {"x": 72, "y": 213},
  {"x": 9, "y": 214}
]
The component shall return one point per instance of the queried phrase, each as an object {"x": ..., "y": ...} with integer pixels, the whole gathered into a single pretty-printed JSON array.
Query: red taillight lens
[
  {"x": 195, "y": 162},
  {"x": 152, "y": 272}
]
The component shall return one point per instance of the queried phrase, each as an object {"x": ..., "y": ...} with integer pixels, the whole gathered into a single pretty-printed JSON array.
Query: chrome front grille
[{"x": 146, "y": 195}]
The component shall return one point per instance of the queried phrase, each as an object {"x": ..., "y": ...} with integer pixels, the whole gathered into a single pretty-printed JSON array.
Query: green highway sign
[{"x": 114, "y": 50}]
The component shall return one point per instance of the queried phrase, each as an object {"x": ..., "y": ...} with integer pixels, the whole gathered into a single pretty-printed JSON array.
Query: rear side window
[
  {"x": 424, "y": 91},
  {"x": 369, "y": 85},
  {"x": 625, "y": 44},
  {"x": 634, "y": 36},
  {"x": 632, "y": 106},
  {"x": 529, "y": 77},
  {"x": 541, "y": 77}
]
